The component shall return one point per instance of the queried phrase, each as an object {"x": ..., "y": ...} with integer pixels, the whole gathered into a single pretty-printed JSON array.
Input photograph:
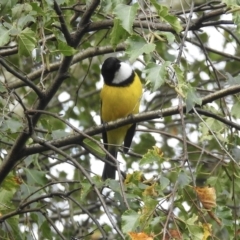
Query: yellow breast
[{"x": 119, "y": 102}]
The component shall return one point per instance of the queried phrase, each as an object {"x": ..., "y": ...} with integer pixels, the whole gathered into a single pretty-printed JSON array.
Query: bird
[{"x": 120, "y": 97}]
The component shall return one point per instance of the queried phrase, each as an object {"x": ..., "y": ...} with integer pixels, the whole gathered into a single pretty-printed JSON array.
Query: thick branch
[
  {"x": 145, "y": 116},
  {"x": 17, "y": 148},
  {"x": 90, "y": 52}
]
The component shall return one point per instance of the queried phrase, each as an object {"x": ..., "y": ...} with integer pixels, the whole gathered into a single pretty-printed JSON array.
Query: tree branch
[
  {"x": 24, "y": 79},
  {"x": 9, "y": 162},
  {"x": 145, "y": 116},
  {"x": 84, "y": 22},
  {"x": 64, "y": 28},
  {"x": 90, "y": 52}
]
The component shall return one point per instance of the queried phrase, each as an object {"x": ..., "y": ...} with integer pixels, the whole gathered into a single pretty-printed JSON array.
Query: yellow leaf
[
  {"x": 207, "y": 229},
  {"x": 151, "y": 191},
  {"x": 140, "y": 236}
]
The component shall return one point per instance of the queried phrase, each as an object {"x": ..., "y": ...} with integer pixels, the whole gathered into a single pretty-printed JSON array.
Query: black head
[{"x": 110, "y": 66}]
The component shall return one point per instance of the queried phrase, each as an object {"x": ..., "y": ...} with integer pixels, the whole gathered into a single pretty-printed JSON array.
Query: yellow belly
[{"x": 119, "y": 102}]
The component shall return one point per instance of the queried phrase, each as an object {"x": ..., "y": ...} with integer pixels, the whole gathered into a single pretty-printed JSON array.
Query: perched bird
[{"x": 120, "y": 97}]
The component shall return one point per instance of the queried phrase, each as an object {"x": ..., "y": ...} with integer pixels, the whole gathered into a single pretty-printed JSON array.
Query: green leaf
[
  {"x": 235, "y": 111},
  {"x": 195, "y": 230},
  {"x": 130, "y": 220},
  {"x": 2, "y": 87},
  {"x": 56, "y": 134},
  {"x": 170, "y": 37},
  {"x": 152, "y": 156},
  {"x": 27, "y": 42},
  {"x": 164, "y": 182},
  {"x": 36, "y": 8},
  {"x": 215, "y": 125},
  {"x": 4, "y": 36},
  {"x": 225, "y": 214},
  {"x": 6, "y": 6},
  {"x": 156, "y": 74},
  {"x": 232, "y": 80},
  {"x": 126, "y": 14},
  {"x": 147, "y": 141},
  {"x": 36, "y": 177},
  {"x": 14, "y": 125},
  {"x": 65, "y": 49},
  {"x": 165, "y": 16},
  {"x": 12, "y": 226},
  {"x": 19, "y": 9},
  {"x": 86, "y": 187},
  {"x": 183, "y": 179},
  {"x": 5, "y": 200},
  {"x": 192, "y": 99},
  {"x": 24, "y": 20},
  {"x": 46, "y": 230},
  {"x": 147, "y": 211},
  {"x": 136, "y": 46},
  {"x": 94, "y": 146},
  {"x": 11, "y": 182},
  {"x": 118, "y": 33}
]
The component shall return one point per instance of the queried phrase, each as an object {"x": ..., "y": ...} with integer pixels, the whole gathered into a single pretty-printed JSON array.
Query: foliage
[{"x": 188, "y": 130}]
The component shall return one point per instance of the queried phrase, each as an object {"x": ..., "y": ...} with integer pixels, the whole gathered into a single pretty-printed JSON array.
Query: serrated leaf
[
  {"x": 214, "y": 125},
  {"x": 22, "y": 21},
  {"x": 152, "y": 156},
  {"x": 26, "y": 42},
  {"x": 118, "y": 33},
  {"x": 232, "y": 80},
  {"x": 12, "y": 226},
  {"x": 19, "y": 9},
  {"x": 156, "y": 74},
  {"x": 192, "y": 98},
  {"x": 163, "y": 13},
  {"x": 86, "y": 187},
  {"x": 14, "y": 125},
  {"x": 183, "y": 179},
  {"x": 4, "y": 36},
  {"x": 11, "y": 182},
  {"x": 6, "y": 5},
  {"x": 65, "y": 49},
  {"x": 225, "y": 214},
  {"x": 36, "y": 8},
  {"x": 164, "y": 182},
  {"x": 136, "y": 46},
  {"x": 170, "y": 37},
  {"x": 35, "y": 177},
  {"x": 235, "y": 110},
  {"x": 212, "y": 181},
  {"x": 126, "y": 14},
  {"x": 56, "y": 134},
  {"x": 130, "y": 220},
  {"x": 2, "y": 88},
  {"x": 46, "y": 230},
  {"x": 146, "y": 142},
  {"x": 5, "y": 200},
  {"x": 179, "y": 74},
  {"x": 196, "y": 232},
  {"x": 94, "y": 146}
]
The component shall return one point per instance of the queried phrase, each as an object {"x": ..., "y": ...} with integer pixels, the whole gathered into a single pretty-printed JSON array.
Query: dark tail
[{"x": 109, "y": 171}]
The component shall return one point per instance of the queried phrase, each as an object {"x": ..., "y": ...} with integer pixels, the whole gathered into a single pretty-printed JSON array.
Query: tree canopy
[{"x": 183, "y": 167}]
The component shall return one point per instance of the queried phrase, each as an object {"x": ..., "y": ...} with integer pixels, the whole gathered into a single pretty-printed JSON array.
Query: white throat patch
[{"x": 124, "y": 72}]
